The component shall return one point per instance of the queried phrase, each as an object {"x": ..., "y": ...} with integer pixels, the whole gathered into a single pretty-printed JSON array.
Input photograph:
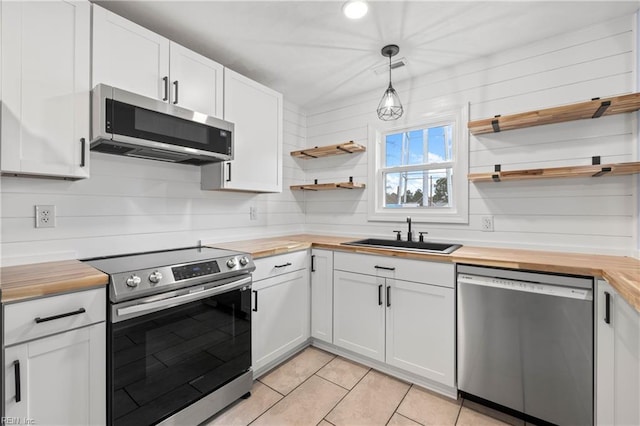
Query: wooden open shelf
[
  {"x": 591, "y": 109},
  {"x": 328, "y": 151},
  {"x": 327, "y": 186},
  {"x": 558, "y": 172}
]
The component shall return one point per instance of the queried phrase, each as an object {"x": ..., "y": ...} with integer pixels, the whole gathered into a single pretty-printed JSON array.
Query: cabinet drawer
[
  {"x": 422, "y": 271},
  {"x": 272, "y": 266},
  {"x": 20, "y": 318}
]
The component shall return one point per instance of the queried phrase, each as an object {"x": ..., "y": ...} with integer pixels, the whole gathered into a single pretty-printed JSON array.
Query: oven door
[{"x": 168, "y": 351}]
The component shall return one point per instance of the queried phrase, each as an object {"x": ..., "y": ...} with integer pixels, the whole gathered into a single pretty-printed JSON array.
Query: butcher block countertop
[
  {"x": 623, "y": 273},
  {"x": 49, "y": 278}
]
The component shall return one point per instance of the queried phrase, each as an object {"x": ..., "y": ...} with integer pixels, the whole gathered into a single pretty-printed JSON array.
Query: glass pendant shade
[{"x": 390, "y": 108}]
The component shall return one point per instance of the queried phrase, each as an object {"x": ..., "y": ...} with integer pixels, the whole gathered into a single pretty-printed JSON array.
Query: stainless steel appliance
[
  {"x": 178, "y": 334},
  {"x": 125, "y": 123},
  {"x": 525, "y": 343}
]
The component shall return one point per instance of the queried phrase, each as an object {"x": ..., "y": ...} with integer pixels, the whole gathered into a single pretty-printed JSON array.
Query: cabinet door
[
  {"x": 61, "y": 378},
  {"x": 196, "y": 81},
  {"x": 420, "y": 330},
  {"x": 322, "y": 295},
  {"x": 280, "y": 316},
  {"x": 605, "y": 371},
  {"x": 256, "y": 111},
  {"x": 45, "y": 88},
  {"x": 128, "y": 56},
  {"x": 358, "y": 313}
]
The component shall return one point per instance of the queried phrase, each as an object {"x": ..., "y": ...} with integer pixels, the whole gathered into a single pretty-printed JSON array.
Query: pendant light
[{"x": 390, "y": 107}]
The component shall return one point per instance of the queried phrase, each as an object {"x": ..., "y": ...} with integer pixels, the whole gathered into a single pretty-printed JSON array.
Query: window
[{"x": 420, "y": 171}]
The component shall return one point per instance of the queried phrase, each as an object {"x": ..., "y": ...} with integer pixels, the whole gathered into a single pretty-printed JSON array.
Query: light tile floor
[{"x": 317, "y": 388}]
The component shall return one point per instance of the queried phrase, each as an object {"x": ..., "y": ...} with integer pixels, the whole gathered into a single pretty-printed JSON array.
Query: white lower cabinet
[
  {"x": 618, "y": 359},
  {"x": 280, "y": 313},
  {"x": 59, "y": 378},
  {"x": 359, "y": 314},
  {"x": 421, "y": 330},
  {"x": 322, "y": 295},
  {"x": 408, "y": 325}
]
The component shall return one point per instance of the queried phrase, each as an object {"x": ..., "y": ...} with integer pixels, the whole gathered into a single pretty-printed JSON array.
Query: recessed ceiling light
[{"x": 355, "y": 9}]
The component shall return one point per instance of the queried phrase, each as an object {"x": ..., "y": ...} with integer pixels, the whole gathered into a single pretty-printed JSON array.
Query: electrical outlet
[
  {"x": 487, "y": 223},
  {"x": 45, "y": 216},
  {"x": 253, "y": 213}
]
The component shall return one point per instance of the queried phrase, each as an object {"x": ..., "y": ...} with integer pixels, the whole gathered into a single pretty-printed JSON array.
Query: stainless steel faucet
[{"x": 409, "y": 234}]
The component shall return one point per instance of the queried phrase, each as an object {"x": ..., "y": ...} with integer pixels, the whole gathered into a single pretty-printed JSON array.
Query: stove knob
[
  {"x": 133, "y": 281},
  {"x": 231, "y": 263},
  {"x": 244, "y": 260},
  {"x": 155, "y": 277}
]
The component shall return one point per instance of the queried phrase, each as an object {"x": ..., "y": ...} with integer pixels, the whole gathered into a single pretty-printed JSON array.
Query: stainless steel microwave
[{"x": 125, "y": 123}]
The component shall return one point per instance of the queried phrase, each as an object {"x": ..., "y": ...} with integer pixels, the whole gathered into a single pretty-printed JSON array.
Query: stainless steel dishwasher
[{"x": 525, "y": 342}]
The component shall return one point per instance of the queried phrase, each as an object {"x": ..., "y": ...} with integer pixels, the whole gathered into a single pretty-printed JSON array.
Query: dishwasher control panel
[{"x": 526, "y": 286}]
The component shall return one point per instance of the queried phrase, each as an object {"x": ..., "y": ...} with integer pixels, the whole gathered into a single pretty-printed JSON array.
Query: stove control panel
[{"x": 195, "y": 270}]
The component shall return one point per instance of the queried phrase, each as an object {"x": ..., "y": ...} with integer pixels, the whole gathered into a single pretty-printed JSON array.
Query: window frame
[{"x": 458, "y": 212}]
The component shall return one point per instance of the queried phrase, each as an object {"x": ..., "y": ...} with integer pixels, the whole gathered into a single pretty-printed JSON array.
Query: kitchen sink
[{"x": 415, "y": 246}]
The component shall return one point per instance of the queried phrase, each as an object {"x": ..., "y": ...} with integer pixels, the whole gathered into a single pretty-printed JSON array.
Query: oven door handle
[{"x": 158, "y": 305}]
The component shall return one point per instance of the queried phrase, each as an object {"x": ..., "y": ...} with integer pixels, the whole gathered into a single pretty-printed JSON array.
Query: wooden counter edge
[{"x": 22, "y": 282}]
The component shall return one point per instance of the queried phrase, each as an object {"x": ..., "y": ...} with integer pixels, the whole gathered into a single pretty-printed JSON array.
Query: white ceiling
[{"x": 313, "y": 54}]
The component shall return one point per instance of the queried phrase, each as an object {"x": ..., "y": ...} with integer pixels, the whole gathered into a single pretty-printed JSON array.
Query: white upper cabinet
[
  {"x": 130, "y": 57},
  {"x": 256, "y": 112},
  {"x": 196, "y": 81},
  {"x": 45, "y": 88}
]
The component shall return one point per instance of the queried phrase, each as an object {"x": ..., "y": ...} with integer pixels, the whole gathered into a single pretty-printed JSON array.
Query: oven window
[{"x": 163, "y": 362}]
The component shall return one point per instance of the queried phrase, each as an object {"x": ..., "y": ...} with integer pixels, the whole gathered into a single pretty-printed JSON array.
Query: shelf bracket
[
  {"x": 603, "y": 107},
  {"x": 595, "y": 160},
  {"x": 347, "y": 187},
  {"x": 496, "y": 176},
  {"x": 344, "y": 150},
  {"x": 602, "y": 171},
  {"x": 308, "y": 155},
  {"x": 495, "y": 124}
]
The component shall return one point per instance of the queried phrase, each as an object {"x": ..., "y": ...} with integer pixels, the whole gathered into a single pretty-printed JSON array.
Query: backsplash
[
  {"x": 597, "y": 215},
  {"x": 131, "y": 205}
]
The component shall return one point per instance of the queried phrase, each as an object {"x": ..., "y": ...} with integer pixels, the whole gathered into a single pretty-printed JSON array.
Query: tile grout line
[
  {"x": 459, "y": 411},
  {"x": 279, "y": 393},
  {"x": 345, "y": 395},
  {"x": 292, "y": 390},
  {"x": 395, "y": 410}
]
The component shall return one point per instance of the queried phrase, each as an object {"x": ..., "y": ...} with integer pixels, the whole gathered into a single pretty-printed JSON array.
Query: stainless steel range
[{"x": 179, "y": 334}]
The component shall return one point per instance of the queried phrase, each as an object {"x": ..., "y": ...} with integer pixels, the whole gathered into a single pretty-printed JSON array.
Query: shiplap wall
[
  {"x": 133, "y": 205},
  {"x": 585, "y": 215}
]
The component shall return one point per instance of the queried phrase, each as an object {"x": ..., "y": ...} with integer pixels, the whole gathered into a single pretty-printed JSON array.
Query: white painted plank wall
[
  {"x": 133, "y": 205},
  {"x": 582, "y": 215}
]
